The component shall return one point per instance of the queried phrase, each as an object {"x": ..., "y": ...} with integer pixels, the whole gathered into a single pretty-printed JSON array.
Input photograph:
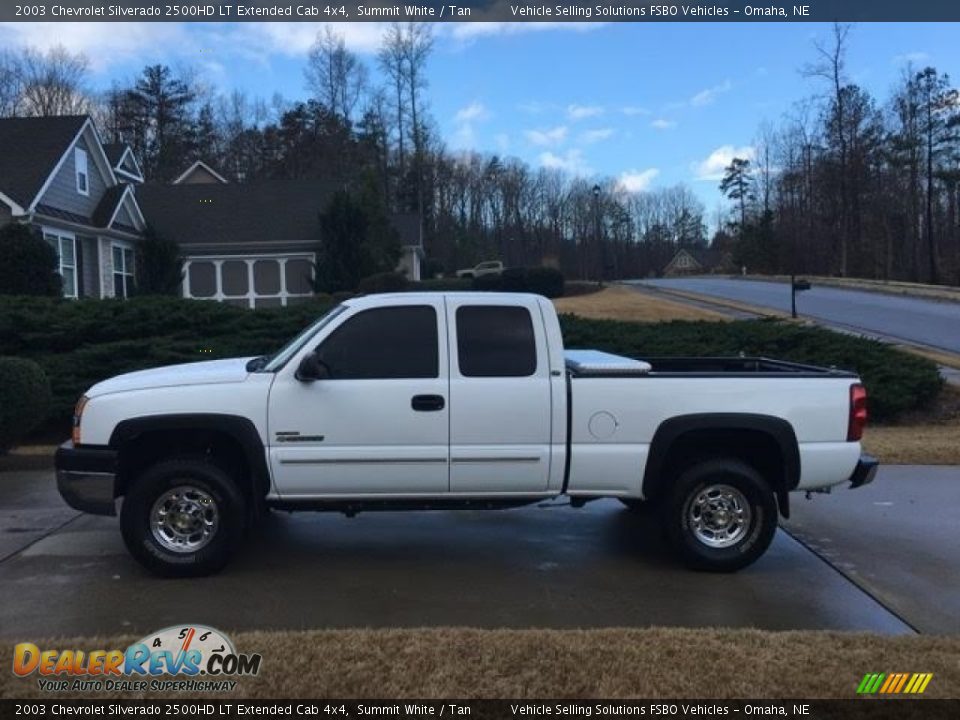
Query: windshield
[{"x": 280, "y": 358}]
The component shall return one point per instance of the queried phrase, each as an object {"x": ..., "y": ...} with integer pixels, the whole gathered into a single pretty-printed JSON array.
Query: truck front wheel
[
  {"x": 721, "y": 515},
  {"x": 183, "y": 517}
]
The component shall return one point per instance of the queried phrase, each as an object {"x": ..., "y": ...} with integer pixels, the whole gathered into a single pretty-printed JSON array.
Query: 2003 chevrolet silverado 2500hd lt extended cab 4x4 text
[{"x": 457, "y": 400}]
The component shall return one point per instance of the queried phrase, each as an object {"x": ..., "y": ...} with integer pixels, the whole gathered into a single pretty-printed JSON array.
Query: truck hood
[{"x": 232, "y": 370}]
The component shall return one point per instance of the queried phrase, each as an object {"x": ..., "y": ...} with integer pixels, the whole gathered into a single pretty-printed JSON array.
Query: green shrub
[
  {"x": 24, "y": 399},
  {"x": 28, "y": 265},
  {"x": 488, "y": 283},
  {"x": 383, "y": 283},
  {"x": 545, "y": 281},
  {"x": 896, "y": 381},
  {"x": 540, "y": 280}
]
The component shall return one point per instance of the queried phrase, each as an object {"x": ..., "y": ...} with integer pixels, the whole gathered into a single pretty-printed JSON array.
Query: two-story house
[{"x": 57, "y": 176}]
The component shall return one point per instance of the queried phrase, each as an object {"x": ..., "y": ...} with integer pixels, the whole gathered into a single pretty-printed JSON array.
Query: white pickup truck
[{"x": 457, "y": 400}]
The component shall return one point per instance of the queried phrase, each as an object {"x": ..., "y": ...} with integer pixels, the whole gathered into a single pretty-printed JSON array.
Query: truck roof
[{"x": 432, "y": 295}]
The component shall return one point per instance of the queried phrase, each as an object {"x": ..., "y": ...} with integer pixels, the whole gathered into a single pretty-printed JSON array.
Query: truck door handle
[{"x": 427, "y": 403}]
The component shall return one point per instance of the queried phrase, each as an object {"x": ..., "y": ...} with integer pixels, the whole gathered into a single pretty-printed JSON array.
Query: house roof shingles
[
  {"x": 216, "y": 216},
  {"x": 31, "y": 148}
]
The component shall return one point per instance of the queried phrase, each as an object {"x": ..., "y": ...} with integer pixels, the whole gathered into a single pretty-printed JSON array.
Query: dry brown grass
[
  {"x": 607, "y": 663},
  {"x": 914, "y": 444},
  {"x": 622, "y": 303}
]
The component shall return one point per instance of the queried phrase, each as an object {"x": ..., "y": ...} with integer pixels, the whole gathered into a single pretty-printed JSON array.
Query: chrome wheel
[
  {"x": 719, "y": 516},
  {"x": 184, "y": 519}
]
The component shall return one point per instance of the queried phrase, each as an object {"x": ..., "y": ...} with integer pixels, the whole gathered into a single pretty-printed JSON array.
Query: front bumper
[
  {"x": 87, "y": 477},
  {"x": 865, "y": 471}
]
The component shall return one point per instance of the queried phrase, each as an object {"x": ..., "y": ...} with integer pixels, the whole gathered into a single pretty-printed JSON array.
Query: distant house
[
  {"x": 252, "y": 244},
  {"x": 57, "y": 176},
  {"x": 691, "y": 261}
]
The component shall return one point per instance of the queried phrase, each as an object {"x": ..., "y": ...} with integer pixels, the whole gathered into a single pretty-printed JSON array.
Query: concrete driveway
[
  {"x": 915, "y": 320},
  {"x": 896, "y": 538},
  {"x": 63, "y": 573}
]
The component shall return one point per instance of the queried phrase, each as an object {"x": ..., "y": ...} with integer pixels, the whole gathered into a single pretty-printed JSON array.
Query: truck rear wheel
[
  {"x": 183, "y": 517},
  {"x": 721, "y": 515}
]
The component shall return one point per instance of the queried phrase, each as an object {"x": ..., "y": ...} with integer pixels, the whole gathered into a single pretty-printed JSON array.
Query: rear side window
[
  {"x": 494, "y": 341},
  {"x": 384, "y": 343}
]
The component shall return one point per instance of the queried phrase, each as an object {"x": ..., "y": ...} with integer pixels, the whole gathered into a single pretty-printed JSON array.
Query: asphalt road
[
  {"x": 915, "y": 320},
  {"x": 68, "y": 574}
]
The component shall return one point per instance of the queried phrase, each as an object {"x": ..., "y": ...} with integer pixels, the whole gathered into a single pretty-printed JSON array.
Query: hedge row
[
  {"x": 78, "y": 343},
  {"x": 24, "y": 399}
]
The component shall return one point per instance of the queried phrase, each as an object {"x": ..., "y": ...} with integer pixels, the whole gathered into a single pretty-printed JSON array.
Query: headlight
[{"x": 77, "y": 414}]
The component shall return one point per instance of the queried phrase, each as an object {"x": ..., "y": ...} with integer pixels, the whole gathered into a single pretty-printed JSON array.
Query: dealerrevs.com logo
[{"x": 203, "y": 657}]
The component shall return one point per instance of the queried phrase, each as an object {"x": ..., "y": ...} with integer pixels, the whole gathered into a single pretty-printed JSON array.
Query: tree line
[
  {"x": 844, "y": 184},
  {"x": 850, "y": 185}
]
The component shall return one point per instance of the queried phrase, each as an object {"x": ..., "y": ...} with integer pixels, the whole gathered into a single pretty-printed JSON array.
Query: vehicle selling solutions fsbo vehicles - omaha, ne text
[{"x": 457, "y": 400}]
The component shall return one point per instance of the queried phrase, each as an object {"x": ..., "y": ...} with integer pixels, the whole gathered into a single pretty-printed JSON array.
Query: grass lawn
[
  {"x": 622, "y": 303},
  {"x": 604, "y": 663}
]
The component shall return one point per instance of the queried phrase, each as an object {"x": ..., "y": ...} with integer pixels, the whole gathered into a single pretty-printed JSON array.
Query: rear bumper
[
  {"x": 865, "y": 471},
  {"x": 87, "y": 477}
]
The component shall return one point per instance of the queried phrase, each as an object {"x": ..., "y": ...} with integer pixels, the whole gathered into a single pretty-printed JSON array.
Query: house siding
[
  {"x": 90, "y": 266},
  {"x": 62, "y": 192},
  {"x": 106, "y": 267},
  {"x": 124, "y": 218}
]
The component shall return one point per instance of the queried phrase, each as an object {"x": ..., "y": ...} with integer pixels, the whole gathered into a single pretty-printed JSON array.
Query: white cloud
[
  {"x": 632, "y": 110},
  {"x": 637, "y": 180},
  {"x": 105, "y": 44},
  {"x": 472, "y": 112},
  {"x": 580, "y": 112},
  {"x": 663, "y": 124},
  {"x": 706, "y": 97},
  {"x": 465, "y": 136},
  {"x": 594, "y": 136},
  {"x": 503, "y": 143},
  {"x": 571, "y": 161},
  {"x": 552, "y": 136},
  {"x": 716, "y": 162}
]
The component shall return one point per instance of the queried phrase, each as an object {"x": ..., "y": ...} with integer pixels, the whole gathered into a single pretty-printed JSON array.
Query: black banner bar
[
  {"x": 479, "y": 11},
  {"x": 853, "y": 709}
]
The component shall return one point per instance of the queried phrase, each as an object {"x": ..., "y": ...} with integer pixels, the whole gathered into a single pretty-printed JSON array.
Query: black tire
[
  {"x": 746, "y": 541},
  {"x": 212, "y": 486},
  {"x": 633, "y": 504}
]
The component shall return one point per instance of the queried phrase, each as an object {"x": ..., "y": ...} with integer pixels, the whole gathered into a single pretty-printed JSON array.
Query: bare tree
[
  {"x": 831, "y": 67},
  {"x": 335, "y": 76},
  {"x": 393, "y": 64},
  {"x": 53, "y": 82},
  {"x": 9, "y": 84}
]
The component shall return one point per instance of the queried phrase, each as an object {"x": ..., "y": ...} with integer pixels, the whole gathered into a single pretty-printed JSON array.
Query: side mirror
[{"x": 312, "y": 368}]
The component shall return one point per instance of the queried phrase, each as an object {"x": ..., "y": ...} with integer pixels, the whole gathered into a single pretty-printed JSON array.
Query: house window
[
  {"x": 123, "y": 271},
  {"x": 80, "y": 161},
  {"x": 252, "y": 281},
  {"x": 65, "y": 246}
]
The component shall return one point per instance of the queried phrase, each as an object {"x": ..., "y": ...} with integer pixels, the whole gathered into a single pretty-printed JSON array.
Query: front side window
[
  {"x": 495, "y": 341},
  {"x": 123, "y": 271},
  {"x": 80, "y": 161},
  {"x": 384, "y": 343},
  {"x": 66, "y": 250}
]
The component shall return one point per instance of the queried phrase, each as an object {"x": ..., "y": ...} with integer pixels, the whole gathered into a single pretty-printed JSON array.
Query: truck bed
[{"x": 586, "y": 364}]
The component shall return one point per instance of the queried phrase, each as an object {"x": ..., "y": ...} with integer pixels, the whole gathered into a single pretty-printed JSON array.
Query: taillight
[{"x": 858, "y": 412}]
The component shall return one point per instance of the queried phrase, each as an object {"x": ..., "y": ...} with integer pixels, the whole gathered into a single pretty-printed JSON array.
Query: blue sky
[{"x": 651, "y": 104}]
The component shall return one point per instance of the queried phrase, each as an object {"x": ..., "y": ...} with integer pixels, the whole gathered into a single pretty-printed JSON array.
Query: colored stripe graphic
[{"x": 894, "y": 683}]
